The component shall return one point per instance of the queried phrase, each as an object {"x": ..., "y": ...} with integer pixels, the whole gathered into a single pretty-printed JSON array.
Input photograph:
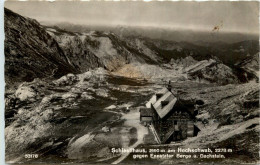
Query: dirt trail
[{"x": 132, "y": 119}]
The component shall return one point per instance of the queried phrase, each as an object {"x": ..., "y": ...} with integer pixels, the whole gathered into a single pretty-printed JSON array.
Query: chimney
[{"x": 169, "y": 87}]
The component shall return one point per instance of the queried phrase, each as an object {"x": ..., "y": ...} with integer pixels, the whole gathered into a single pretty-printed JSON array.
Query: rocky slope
[
  {"x": 231, "y": 120},
  {"x": 207, "y": 71},
  {"x": 71, "y": 116},
  {"x": 30, "y": 51},
  {"x": 64, "y": 119},
  {"x": 135, "y": 58},
  {"x": 139, "y": 56},
  {"x": 104, "y": 49}
]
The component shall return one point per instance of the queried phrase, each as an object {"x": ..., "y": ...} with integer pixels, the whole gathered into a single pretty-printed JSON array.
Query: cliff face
[
  {"x": 90, "y": 50},
  {"x": 100, "y": 49},
  {"x": 30, "y": 51}
]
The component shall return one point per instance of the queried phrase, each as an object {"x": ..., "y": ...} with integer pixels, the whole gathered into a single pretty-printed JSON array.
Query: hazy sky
[{"x": 234, "y": 16}]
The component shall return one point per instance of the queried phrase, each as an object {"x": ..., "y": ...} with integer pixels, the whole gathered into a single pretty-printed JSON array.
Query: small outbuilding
[{"x": 146, "y": 117}]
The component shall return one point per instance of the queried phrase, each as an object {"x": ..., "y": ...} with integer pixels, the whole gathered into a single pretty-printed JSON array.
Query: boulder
[
  {"x": 106, "y": 129},
  {"x": 69, "y": 79},
  {"x": 47, "y": 114},
  {"x": 69, "y": 96},
  {"x": 86, "y": 96},
  {"x": 25, "y": 93},
  {"x": 111, "y": 107},
  {"x": 102, "y": 92}
]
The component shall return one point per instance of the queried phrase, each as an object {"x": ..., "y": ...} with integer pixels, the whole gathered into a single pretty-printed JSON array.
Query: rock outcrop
[
  {"x": 251, "y": 67},
  {"x": 211, "y": 71}
]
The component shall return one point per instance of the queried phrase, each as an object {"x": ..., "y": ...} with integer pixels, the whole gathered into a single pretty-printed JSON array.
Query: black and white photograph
[{"x": 131, "y": 82}]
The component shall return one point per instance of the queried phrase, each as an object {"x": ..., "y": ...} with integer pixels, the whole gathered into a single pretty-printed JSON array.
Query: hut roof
[
  {"x": 164, "y": 104},
  {"x": 154, "y": 97}
]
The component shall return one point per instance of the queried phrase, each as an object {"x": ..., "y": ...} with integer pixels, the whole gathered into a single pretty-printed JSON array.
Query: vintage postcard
[{"x": 131, "y": 82}]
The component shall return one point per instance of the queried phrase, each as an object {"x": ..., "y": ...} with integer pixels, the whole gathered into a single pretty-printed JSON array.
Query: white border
[{"x": 2, "y": 82}]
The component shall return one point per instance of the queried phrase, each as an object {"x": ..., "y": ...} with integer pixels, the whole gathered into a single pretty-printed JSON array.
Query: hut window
[
  {"x": 175, "y": 122},
  {"x": 158, "y": 96},
  {"x": 164, "y": 103}
]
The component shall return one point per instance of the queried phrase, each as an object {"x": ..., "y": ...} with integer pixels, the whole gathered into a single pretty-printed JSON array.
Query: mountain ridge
[{"x": 39, "y": 51}]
